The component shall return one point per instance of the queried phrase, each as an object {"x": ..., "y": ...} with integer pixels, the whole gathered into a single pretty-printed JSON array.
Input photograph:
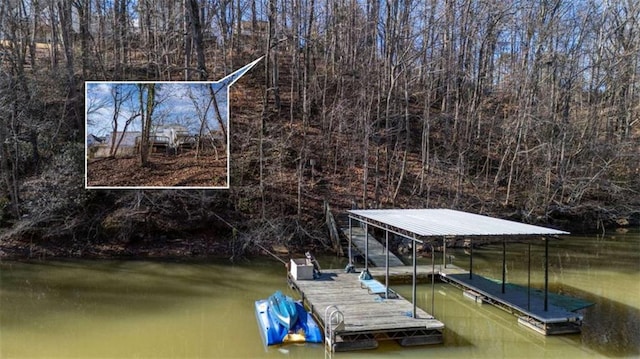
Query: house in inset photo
[
  {"x": 167, "y": 139},
  {"x": 113, "y": 145}
]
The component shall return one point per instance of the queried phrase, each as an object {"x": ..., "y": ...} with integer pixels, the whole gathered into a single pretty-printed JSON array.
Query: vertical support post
[
  {"x": 504, "y": 263},
  {"x": 433, "y": 278},
  {"x": 444, "y": 252},
  {"x": 366, "y": 246},
  {"x": 470, "y": 259},
  {"x": 413, "y": 290},
  {"x": 350, "y": 234},
  {"x": 386, "y": 276},
  {"x": 529, "y": 278},
  {"x": 546, "y": 274}
]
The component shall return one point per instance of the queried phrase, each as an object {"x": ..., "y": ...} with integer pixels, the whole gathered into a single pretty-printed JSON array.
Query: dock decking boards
[
  {"x": 368, "y": 318},
  {"x": 556, "y": 319},
  {"x": 376, "y": 249},
  {"x": 559, "y": 318}
]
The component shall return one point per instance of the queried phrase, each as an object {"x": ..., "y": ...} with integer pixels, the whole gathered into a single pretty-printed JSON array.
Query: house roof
[{"x": 447, "y": 222}]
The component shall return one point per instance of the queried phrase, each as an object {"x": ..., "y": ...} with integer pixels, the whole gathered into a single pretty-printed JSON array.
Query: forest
[{"x": 526, "y": 110}]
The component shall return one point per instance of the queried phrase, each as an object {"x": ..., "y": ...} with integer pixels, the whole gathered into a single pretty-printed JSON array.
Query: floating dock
[
  {"x": 358, "y": 313},
  {"x": 354, "y": 318},
  {"x": 364, "y": 317},
  {"x": 562, "y": 315},
  {"x": 559, "y": 317}
]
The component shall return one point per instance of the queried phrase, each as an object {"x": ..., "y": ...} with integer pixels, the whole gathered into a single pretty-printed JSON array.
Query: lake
[{"x": 204, "y": 309}]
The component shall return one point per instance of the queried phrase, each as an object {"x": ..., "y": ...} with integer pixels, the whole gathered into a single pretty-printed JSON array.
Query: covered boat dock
[{"x": 430, "y": 226}]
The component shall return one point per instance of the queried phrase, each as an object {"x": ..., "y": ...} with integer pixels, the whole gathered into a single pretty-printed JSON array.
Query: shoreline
[{"x": 180, "y": 249}]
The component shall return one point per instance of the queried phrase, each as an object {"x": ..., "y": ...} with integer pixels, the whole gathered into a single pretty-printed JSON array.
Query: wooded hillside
[{"x": 519, "y": 109}]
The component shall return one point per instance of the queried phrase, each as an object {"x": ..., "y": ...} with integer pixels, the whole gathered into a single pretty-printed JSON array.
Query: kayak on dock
[{"x": 300, "y": 328}]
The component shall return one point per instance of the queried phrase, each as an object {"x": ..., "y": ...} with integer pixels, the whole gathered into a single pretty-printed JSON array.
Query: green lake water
[{"x": 204, "y": 309}]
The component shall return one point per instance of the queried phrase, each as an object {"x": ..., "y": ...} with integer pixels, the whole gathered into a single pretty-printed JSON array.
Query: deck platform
[
  {"x": 367, "y": 318},
  {"x": 560, "y": 316}
]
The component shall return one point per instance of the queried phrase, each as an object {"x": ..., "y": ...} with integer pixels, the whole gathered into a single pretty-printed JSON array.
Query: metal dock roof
[{"x": 447, "y": 222}]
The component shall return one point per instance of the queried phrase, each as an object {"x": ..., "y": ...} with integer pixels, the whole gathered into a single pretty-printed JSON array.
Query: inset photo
[{"x": 157, "y": 135}]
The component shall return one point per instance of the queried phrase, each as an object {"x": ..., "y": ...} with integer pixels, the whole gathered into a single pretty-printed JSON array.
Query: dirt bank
[{"x": 183, "y": 170}]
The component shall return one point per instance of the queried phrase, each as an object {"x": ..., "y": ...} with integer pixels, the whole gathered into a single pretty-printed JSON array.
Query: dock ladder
[{"x": 333, "y": 321}]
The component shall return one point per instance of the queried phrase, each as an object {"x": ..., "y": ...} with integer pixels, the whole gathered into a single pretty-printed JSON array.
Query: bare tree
[
  {"x": 147, "y": 98},
  {"x": 121, "y": 97}
]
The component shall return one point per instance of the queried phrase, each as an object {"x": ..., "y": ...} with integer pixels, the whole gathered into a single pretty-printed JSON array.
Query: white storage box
[{"x": 300, "y": 270}]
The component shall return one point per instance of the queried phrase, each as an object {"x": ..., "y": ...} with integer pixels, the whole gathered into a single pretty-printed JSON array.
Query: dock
[
  {"x": 560, "y": 317},
  {"x": 424, "y": 273},
  {"x": 365, "y": 318},
  {"x": 375, "y": 249},
  {"x": 533, "y": 307},
  {"x": 353, "y": 318},
  {"x": 357, "y": 311}
]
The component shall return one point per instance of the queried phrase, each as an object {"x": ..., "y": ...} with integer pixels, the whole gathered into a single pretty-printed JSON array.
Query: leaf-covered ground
[{"x": 182, "y": 170}]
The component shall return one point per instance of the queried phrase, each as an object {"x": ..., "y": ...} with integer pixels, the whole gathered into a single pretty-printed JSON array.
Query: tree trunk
[
  {"x": 8, "y": 171},
  {"x": 64, "y": 11},
  {"x": 196, "y": 36},
  {"x": 216, "y": 109},
  {"x": 84, "y": 13},
  {"x": 145, "y": 143}
]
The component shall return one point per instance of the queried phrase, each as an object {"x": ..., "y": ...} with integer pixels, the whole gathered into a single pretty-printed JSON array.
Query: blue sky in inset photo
[{"x": 182, "y": 103}]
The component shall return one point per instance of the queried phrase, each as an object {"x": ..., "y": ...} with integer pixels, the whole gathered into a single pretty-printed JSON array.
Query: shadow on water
[{"x": 609, "y": 327}]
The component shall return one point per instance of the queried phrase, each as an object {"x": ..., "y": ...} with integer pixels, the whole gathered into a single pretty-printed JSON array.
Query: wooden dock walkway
[
  {"x": 404, "y": 274},
  {"x": 376, "y": 251},
  {"x": 366, "y": 318}
]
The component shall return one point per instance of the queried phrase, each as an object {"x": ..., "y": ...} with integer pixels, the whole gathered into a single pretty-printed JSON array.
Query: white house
[{"x": 173, "y": 135}]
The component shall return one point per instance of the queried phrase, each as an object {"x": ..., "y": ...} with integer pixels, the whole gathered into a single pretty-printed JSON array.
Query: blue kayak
[
  {"x": 283, "y": 309},
  {"x": 305, "y": 329}
]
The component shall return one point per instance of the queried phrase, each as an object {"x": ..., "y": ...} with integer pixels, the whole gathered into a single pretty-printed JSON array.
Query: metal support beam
[
  {"x": 444, "y": 252},
  {"x": 433, "y": 278},
  {"x": 366, "y": 246},
  {"x": 386, "y": 277},
  {"x": 388, "y": 228},
  {"x": 504, "y": 263},
  {"x": 470, "y": 259},
  {"x": 413, "y": 285},
  {"x": 529, "y": 278},
  {"x": 350, "y": 234},
  {"x": 546, "y": 274}
]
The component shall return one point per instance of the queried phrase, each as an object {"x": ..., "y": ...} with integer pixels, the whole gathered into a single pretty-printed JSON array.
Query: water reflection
[{"x": 84, "y": 309}]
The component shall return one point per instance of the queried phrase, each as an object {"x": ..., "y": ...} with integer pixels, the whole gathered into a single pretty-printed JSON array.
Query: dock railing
[
  {"x": 333, "y": 321},
  {"x": 334, "y": 234}
]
